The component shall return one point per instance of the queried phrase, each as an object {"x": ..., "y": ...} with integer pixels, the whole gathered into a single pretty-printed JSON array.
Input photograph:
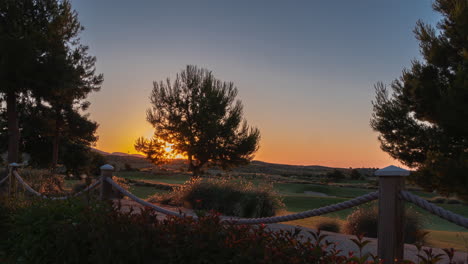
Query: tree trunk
[
  {"x": 195, "y": 171},
  {"x": 13, "y": 128},
  {"x": 56, "y": 141}
]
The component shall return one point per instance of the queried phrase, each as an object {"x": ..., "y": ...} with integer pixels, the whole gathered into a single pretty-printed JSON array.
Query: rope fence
[
  {"x": 306, "y": 214},
  {"x": 391, "y": 196},
  {"x": 434, "y": 209},
  {"x": 38, "y": 194},
  {"x": 4, "y": 179},
  {"x": 141, "y": 201},
  {"x": 424, "y": 204}
]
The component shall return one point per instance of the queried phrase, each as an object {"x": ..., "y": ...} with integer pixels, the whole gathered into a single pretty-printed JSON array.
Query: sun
[{"x": 171, "y": 153}]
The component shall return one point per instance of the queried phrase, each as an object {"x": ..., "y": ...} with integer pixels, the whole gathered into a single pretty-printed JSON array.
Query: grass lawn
[
  {"x": 137, "y": 175},
  {"x": 295, "y": 188}
]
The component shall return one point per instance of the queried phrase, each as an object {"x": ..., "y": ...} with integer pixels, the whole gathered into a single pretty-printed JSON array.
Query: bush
[
  {"x": 229, "y": 197},
  {"x": 73, "y": 232},
  {"x": 335, "y": 175},
  {"x": 43, "y": 181},
  {"x": 364, "y": 221},
  {"x": 329, "y": 225}
]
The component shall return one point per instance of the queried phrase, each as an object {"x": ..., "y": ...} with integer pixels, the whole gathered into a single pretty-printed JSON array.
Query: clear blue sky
[{"x": 305, "y": 70}]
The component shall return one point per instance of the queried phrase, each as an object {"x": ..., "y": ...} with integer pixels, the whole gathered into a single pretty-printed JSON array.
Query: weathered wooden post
[
  {"x": 391, "y": 214},
  {"x": 106, "y": 188},
  {"x": 11, "y": 178}
]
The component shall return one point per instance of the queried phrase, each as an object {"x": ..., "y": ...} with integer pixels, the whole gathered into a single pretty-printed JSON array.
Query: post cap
[
  {"x": 392, "y": 171},
  {"x": 14, "y": 164},
  {"x": 107, "y": 167}
]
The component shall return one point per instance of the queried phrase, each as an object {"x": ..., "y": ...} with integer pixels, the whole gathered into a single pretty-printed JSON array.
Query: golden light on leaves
[{"x": 171, "y": 153}]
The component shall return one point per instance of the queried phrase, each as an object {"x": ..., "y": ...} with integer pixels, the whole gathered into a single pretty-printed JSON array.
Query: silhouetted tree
[
  {"x": 335, "y": 175},
  {"x": 36, "y": 122},
  {"x": 355, "y": 175},
  {"x": 25, "y": 27},
  {"x": 41, "y": 58},
  {"x": 200, "y": 117},
  {"x": 423, "y": 123}
]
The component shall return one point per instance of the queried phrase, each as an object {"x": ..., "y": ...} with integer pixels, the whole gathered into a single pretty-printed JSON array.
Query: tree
[
  {"x": 335, "y": 175},
  {"x": 33, "y": 33},
  {"x": 41, "y": 59},
  {"x": 423, "y": 123},
  {"x": 355, "y": 175},
  {"x": 200, "y": 118},
  {"x": 67, "y": 75},
  {"x": 37, "y": 127}
]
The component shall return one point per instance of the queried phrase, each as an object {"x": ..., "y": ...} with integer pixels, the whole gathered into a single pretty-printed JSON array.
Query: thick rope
[
  {"x": 140, "y": 201},
  {"x": 306, "y": 214},
  {"x": 4, "y": 179},
  {"x": 31, "y": 190},
  {"x": 266, "y": 220},
  {"x": 434, "y": 209}
]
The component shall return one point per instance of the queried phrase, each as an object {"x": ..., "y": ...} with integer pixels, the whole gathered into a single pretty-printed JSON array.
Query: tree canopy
[
  {"x": 423, "y": 122},
  {"x": 200, "y": 118},
  {"x": 45, "y": 76}
]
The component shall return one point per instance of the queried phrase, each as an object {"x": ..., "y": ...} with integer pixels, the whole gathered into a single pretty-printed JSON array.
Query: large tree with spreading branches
[
  {"x": 200, "y": 118},
  {"x": 423, "y": 122}
]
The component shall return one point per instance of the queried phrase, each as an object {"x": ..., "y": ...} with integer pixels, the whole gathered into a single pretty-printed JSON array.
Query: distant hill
[
  {"x": 137, "y": 161},
  {"x": 122, "y": 154}
]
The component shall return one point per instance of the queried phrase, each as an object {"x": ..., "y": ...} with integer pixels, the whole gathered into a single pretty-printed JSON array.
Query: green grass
[
  {"x": 344, "y": 192},
  {"x": 304, "y": 203},
  {"x": 137, "y": 175}
]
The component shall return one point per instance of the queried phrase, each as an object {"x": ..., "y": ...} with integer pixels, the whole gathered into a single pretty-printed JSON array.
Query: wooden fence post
[
  {"x": 11, "y": 178},
  {"x": 106, "y": 188},
  {"x": 391, "y": 222}
]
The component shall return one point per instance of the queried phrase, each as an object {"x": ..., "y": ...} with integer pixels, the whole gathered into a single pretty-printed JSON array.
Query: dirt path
[{"x": 343, "y": 241}]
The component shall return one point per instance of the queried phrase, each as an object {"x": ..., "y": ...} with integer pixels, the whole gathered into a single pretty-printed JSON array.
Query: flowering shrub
[
  {"x": 73, "y": 232},
  {"x": 229, "y": 197}
]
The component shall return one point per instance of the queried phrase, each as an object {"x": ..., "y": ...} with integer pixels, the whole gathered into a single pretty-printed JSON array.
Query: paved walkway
[{"x": 343, "y": 241}]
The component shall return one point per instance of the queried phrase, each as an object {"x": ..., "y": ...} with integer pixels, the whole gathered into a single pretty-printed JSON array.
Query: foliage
[
  {"x": 423, "y": 122},
  {"x": 45, "y": 75},
  {"x": 43, "y": 181},
  {"x": 328, "y": 225},
  {"x": 200, "y": 118},
  {"x": 335, "y": 175},
  {"x": 365, "y": 221},
  {"x": 76, "y": 232},
  {"x": 355, "y": 175},
  {"x": 229, "y": 197}
]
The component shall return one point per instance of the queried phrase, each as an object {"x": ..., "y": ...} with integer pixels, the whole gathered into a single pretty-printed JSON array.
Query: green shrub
[
  {"x": 329, "y": 225},
  {"x": 364, "y": 221},
  {"x": 229, "y": 197}
]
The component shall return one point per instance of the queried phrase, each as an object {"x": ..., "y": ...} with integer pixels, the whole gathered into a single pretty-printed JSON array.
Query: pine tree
[
  {"x": 423, "y": 123},
  {"x": 199, "y": 116}
]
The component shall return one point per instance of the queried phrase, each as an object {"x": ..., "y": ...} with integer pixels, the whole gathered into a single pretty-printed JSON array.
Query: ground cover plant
[{"x": 75, "y": 231}]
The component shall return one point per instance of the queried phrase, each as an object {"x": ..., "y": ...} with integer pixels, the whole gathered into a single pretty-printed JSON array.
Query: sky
[{"x": 305, "y": 70}]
